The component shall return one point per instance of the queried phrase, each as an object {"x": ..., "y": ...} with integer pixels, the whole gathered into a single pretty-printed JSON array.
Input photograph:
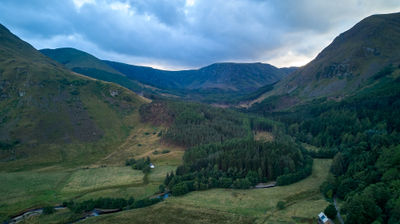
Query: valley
[{"x": 81, "y": 134}]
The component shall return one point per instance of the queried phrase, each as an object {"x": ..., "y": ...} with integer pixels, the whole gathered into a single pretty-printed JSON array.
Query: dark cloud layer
[{"x": 189, "y": 33}]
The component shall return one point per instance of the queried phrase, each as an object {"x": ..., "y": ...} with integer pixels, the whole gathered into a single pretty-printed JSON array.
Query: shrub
[
  {"x": 48, "y": 210},
  {"x": 330, "y": 211},
  {"x": 280, "y": 205},
  {"x": 165, "y": 151},
  {"x": 161, "y": 188},
  {"x": 130, "y": 162},
  {"x": 180, "y": 189}
]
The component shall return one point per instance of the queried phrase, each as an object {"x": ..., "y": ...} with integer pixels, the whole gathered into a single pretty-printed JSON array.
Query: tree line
[
  {"x": 362, "y": 132},
  {"x": 238, "y": 163},
  {"x": 192, "y": 124},
  {"x": 109, "y": 203}
]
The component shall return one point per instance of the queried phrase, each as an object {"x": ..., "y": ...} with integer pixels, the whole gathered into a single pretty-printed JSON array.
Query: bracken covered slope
[{"x": 44, "y": 105}]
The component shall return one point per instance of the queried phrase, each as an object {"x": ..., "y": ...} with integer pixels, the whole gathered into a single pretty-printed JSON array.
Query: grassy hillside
[
  {"x": 346, "y": 65},
  {"x": 218, "y": 82},
  {"x": 73, "y": 58},
  {"x": 86, "y": 64},
  {"x": 50, "y": 115}
]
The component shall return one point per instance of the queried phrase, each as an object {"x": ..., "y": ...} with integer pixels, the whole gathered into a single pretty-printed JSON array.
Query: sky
[{"x": 182, "y": 34}]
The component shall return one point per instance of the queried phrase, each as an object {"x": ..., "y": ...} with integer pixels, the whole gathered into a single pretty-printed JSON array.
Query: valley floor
[
  {"x": 109, "y": 177},
  {"x": 303, "y": 202},
  {"x": 106, "y": 177}
]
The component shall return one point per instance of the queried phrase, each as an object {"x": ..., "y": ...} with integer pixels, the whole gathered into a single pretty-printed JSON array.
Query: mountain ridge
[
  {"x": 344, "y": 66},
  {"x": 46, "y": 107},
  {"x": 211, "y": 82}
]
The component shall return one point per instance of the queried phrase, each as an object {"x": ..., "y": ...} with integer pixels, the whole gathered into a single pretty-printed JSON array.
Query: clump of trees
[
  {"x": 110, "y": 203},
  {"x": 104, "y": 203},
  {"x": 280, "y": 205},
  {"x": 142, "y": 164},
  {"x": 239, "y": 163},
  {"x": 302, "y": 173},
  {"x": 330, "y": 211},
  {"x": 48, "y": 210}
]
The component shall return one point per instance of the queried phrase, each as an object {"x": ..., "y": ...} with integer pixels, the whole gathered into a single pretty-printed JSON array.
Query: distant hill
[
  {"x": 214, "y": 83},
  {"x": 224, "y": 76},
  {"x": 347, "y": 64},
  {"x": 46, "y": 109},
  {"x": 86, "y": 64}
]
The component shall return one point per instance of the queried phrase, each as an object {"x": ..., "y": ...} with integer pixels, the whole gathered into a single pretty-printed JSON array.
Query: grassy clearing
[
  {"x": 29, "y": 189},
  {"x": 22, "y": 190},
  {"x": 142, "y": 142},
  {"x": 303, "y": 202},
  {"x": 303, "y": 199},
  {"x": 166, "y": 212},
  {"x": 50, "y": 186},
  {"x": 137, "y": 192},
  {"x": 61, "y": 216},
  {"x": 100, "y": 178},
  {"x": 53, "y": 185},
  {"x": 263, "y": 136},
  {"x": 158, "y": 174}
]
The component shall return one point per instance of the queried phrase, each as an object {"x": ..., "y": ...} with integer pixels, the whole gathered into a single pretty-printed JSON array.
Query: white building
[{"x": 322, "y": 218}]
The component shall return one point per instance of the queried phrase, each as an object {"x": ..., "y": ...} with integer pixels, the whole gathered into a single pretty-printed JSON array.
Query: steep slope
[
  {"x": 212, "y": 83},
  {"x": 224, "y": 76},
  {"x": 245, "y": 77},
  {"x": 159, "y": 78},
  {"x": 73, "y": 58},
  {"x": 49, "y": 114},
  {"x": 86, "y": 64},
  {"x": 346, "y": 65}
]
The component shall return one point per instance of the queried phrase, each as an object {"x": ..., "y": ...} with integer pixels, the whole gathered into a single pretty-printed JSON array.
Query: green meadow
[{"x": 302, "y": 200}]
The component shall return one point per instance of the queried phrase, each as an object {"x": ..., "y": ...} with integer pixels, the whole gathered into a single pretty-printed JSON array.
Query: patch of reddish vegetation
[{"x": 157, "y": 113}]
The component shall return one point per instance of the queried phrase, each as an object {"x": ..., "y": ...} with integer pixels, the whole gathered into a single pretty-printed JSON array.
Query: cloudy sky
[{"x": 176, "y": 34}]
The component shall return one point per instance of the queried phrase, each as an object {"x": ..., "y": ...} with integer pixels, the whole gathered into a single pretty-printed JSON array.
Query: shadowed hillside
[
  {"x": 46, "y": 108},
  {"x": 346, "y": 65},
  {"x": 216, "y": 83}
]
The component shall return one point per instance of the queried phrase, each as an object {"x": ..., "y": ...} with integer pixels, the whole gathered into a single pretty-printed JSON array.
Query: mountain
[
  {"x": 73, "y": 58},
  {"x": 215, "y": 83},
  {"x": 347, "y": 65},
  {"x": 224, "y": 76},
  {"x": 86, "y": 64},
  {"x": 50, "y": 114}
]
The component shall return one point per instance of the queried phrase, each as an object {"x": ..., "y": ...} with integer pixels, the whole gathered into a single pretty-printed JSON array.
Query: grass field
[
  {"x": 263, "y": 136},
  {"x": 103, "y": 175},
  {"x": 28, "y": 189},
  {"x": 172, "y": 213},
  {"x": 303, "y": 203},
  {"x": 107, "y": 176},
  {"x": 101, "y": 178}
]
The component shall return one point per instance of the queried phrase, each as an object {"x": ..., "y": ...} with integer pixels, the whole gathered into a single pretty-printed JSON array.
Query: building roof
[{"x": 323, "y": 217}]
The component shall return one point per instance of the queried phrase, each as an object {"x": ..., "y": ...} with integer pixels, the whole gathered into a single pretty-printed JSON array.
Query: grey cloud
[{"x": 180, "y": 35}]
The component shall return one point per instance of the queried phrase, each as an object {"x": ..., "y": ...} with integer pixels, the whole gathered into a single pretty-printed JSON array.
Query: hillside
[
  {"x": 346, "y": 65},
  {"x": 216, "y": 83},
  {"x": 73, "y": 58},
  {"x": 86, "y": 64},
  {"x": 355, "y": 118},
  {"x": 223, "y": 76},
  {"x": 48, "y": 114}
]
